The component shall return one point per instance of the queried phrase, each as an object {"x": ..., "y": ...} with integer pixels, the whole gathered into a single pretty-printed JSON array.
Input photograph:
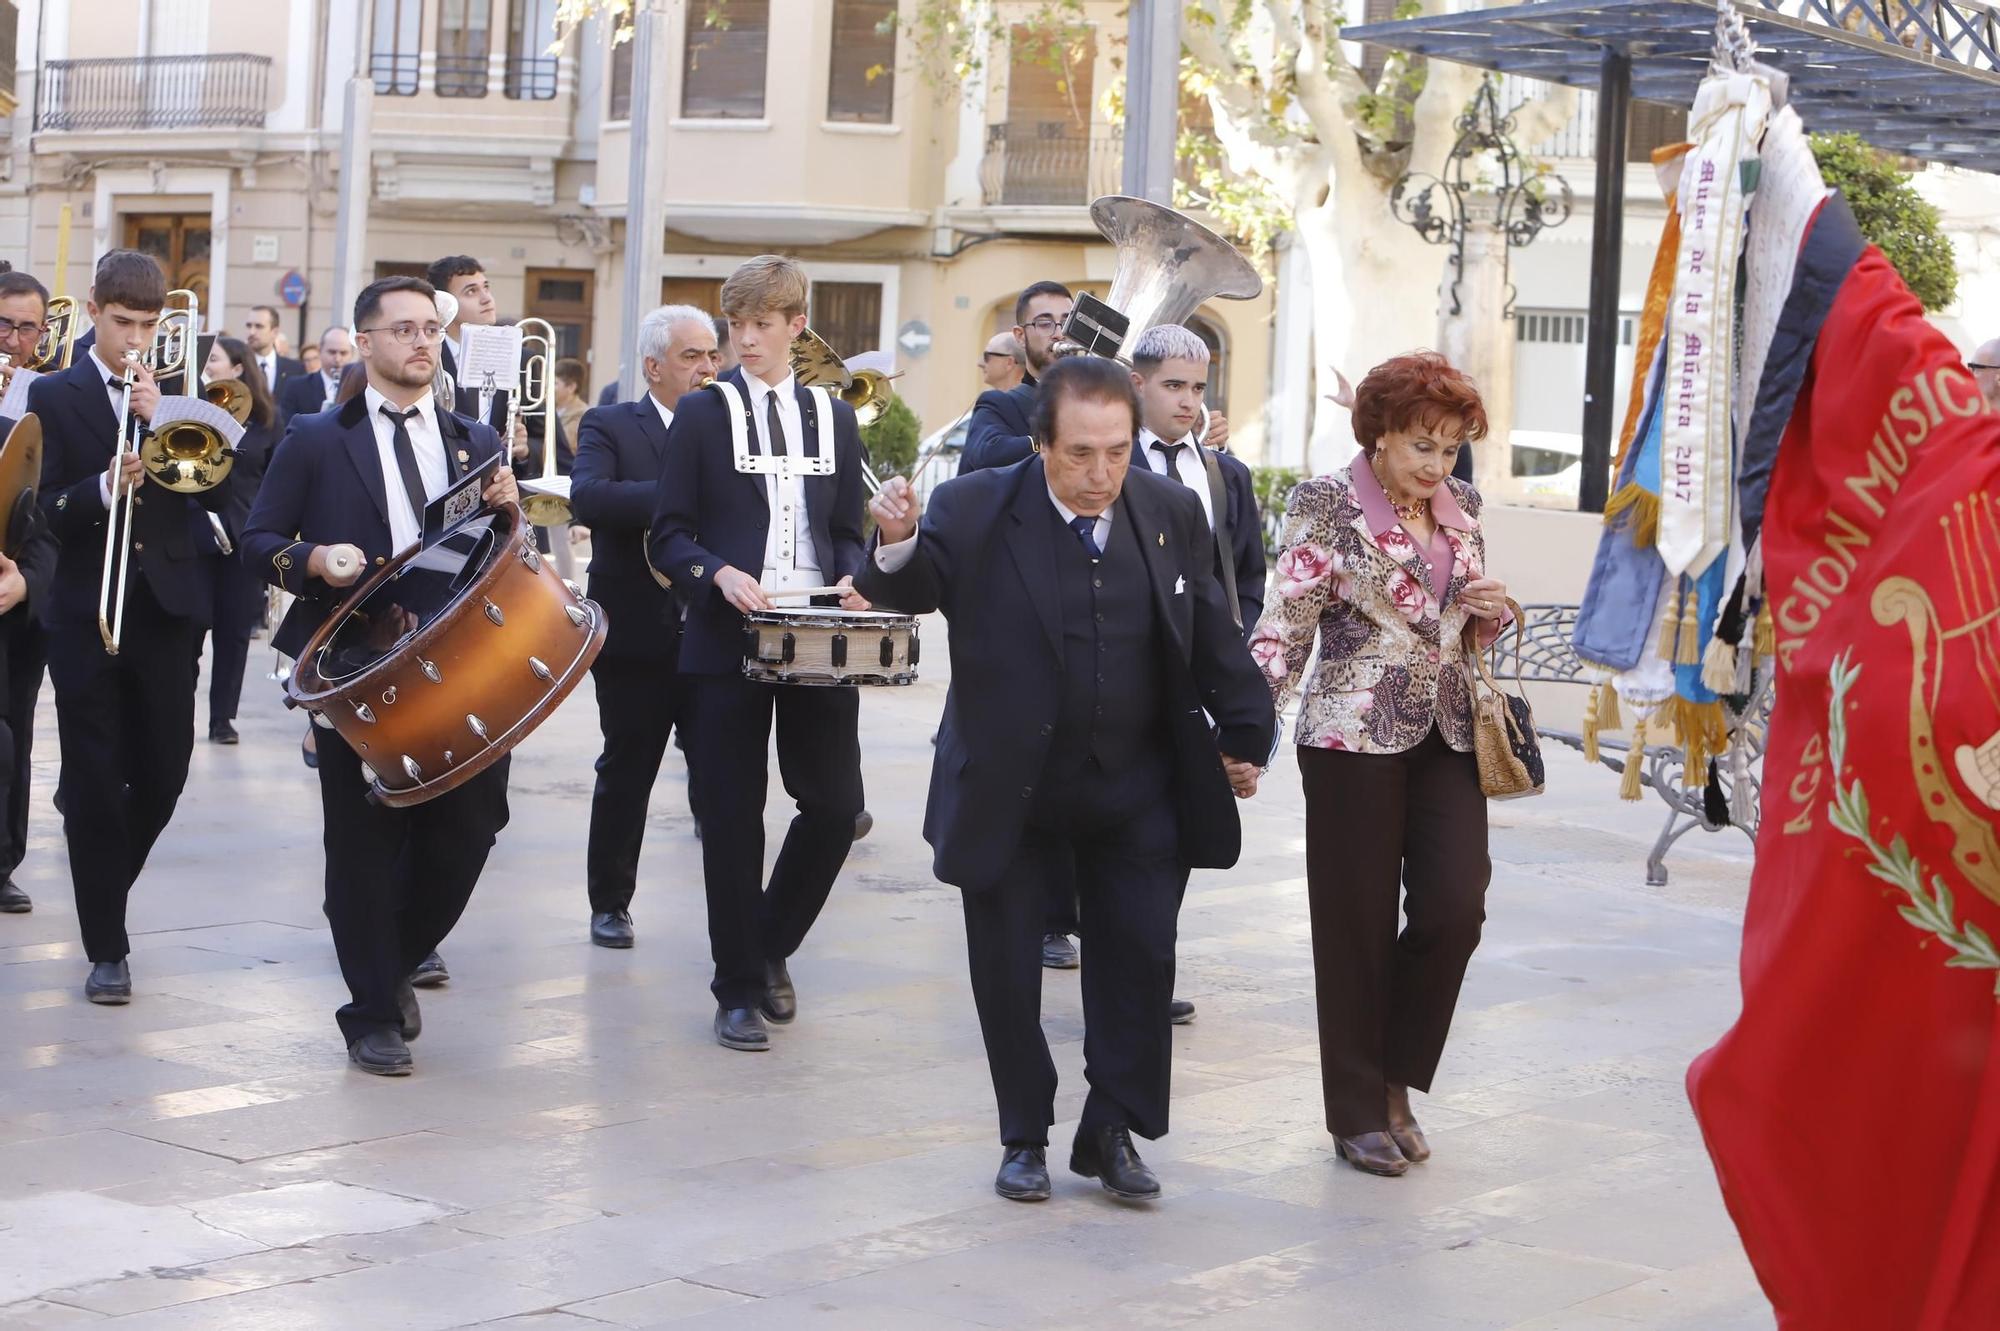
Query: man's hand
[
  {"x": 123, "y": 472},
  {"x": 1218, "y": 431},
  {"x": 1242, "y": 776},
  {"x": 336, "y": 565},
  {"x": 741, "y": 590},
  {"x": 851, "y": 599},
  {"x": 502, "y": 489},
  {"x": 520, "y": 439},
  {"x": 145, "y": 392},
  {"x": 578, "y": 535},
  {"x": 13, "y": 587},
  {"x": 896, "y": 511}
]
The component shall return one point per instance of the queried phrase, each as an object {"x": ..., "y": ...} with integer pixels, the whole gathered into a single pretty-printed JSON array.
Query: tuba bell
[
  {"x": 1168, "y": 265},
  {"x": 817, "y": 365}
]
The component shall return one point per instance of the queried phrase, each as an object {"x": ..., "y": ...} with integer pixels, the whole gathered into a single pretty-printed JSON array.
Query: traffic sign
[
  {"x": 914, "y": 337},
  {"x": 292, "y": 288}
]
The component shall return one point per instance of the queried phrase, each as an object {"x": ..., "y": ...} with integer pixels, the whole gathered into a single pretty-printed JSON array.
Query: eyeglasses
[
  {"x": 996, "y": 355},
  {"x": 406, "y": 333},
  {"x": 1049, "y": 323},
  {"x": 8, "y": 328},
  {"x": 1970, "y": 365}
]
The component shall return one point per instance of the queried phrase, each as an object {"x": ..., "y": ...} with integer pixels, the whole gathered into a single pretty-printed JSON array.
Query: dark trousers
[
  {"x": 127, "y": 728},
  {"x": 1124, "y": 858},
  {"x": 397, "y": 879},
  {"x": 1059, "y": 914},
  {"x": 638, "y": 705},
  {"x": 27, "y": 658},
  {"x": 1380, "y": 827},
  {"x": 239, "y": 603},
  {"x": 819, "y": 760}
]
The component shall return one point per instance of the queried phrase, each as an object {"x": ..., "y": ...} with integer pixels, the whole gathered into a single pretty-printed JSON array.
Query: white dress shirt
[
  {"x": 1188, "y": 468},
  {"x": 332, "y": 382},
  {"x": 268, "y": 363},
  {"x": 889, "y": 558},
  {"x": 666, "y": 412},
  {"x": 790, "y": 560},
  {"x": 404, "y": 529}
]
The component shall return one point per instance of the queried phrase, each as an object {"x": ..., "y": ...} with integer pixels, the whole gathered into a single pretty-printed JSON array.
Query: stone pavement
[{"x": 575, "y": 1152}]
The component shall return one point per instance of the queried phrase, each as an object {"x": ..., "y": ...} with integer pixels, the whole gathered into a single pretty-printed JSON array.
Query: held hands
[
  {"x": 896, "y": 510},
  {"x": 851, "y": 599},
  {"x": 336, "y": 565},
  {"x": 13, "y": 587},
  {"x": 1485, "y": 598},
  {"x": 741, "y": 590},
  {"x": 1242, "y": 776},
  {"x": 502, "y": 489}
]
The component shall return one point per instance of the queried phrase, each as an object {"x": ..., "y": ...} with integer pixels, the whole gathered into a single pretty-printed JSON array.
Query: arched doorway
[{"x": 1211, "y": 331}]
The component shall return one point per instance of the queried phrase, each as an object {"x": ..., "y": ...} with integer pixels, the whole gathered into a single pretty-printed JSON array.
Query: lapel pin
[
  {"x": 1162, "y": 539},
  {"x": 462, "y": 458}
]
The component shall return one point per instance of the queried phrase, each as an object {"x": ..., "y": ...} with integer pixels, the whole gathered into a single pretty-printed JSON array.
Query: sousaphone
[{"x": 1168, "y": 266}]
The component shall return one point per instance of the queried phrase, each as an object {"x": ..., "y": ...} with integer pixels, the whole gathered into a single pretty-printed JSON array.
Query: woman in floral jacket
[{"x": 1383, "y": 563}]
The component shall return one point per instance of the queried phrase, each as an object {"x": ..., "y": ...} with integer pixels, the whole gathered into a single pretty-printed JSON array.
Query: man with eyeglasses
[
  {"x": 347, "y": 493},
  {"x": 1003, "y": 364},
  {"x": 24, "y": 307},
  {"x": 24, "y": 304},
  {"x": 998, "y": 434},
  {"x": 1985, "y": 367}
]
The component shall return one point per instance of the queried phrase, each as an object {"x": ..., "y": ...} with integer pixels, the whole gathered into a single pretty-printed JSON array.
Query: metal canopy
[{"x": 1917, "y": 77}]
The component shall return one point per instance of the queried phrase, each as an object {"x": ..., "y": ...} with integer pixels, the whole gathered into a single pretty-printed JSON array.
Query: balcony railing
[
  {"x": 155, "y": 92},
  {"x": 461, "y": 75},
  {"x": 395, "y": 73},
  {"x": 1049, "y": 163},
  {"x": 531, "y": 78}
]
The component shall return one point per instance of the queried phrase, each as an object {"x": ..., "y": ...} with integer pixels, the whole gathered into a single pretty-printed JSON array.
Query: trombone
[
  {"x": 817, "y": 364},
  {"x": 546, "y": 499},
  {"x": 186, "y": 457}
]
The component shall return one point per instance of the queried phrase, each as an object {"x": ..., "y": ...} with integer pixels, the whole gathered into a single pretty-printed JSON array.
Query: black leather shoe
[
  {"x": 309, "y": 756},
  {"x": 1058, "y": 953},
  {"x": 430, "y": 972},
  {"x": 1372, "y": 1153},
  {"x": 611, "y": 928},
  {"x": 110, "y": 983},
  {"x": 413, "y": 1016},
  {"x": 864, "y": 823},
  {"x": 382, "y": 1053},
  {"x": 13, "y": 901},
  {"x": 741, "y": 1028},
  {"x": 221, "y": 732},
  {"x": 1403, "y": 1128},
  {"x": 1180, "y": 1012},
  {"x": 781, "y": 1001},
  {"x": 1024, "y": 1174},
  {"x": 1108, "y": 1157}
]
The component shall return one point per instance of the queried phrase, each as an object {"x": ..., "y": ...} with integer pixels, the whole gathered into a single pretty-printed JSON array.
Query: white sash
[{"x": 751, "y": 462}]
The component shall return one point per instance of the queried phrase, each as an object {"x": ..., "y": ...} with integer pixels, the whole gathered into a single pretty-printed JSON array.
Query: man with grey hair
[
  {"x": 306, "y": 393},
  {"x": 1985, "y": 367},
  {"x": 639, "y": 695},
  {"x": 1004, "y": 363}
]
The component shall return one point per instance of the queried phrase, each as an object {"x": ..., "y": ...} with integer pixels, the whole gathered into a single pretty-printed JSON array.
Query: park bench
[{"x": 1548, "y": 658}]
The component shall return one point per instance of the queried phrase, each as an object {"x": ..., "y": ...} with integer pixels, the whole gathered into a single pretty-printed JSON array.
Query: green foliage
[
  {"x": 891, "y": 439},
  {"x": 1891, "y": 214},
  {"x": 1273, "y": 487}
]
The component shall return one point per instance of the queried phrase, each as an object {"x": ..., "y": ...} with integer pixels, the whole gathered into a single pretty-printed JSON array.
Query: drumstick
[
  {"x": 771, "y": 595},
  {"x": 869, "y": 478}
]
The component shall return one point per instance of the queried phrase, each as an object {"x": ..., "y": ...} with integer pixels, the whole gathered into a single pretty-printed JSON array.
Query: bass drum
[{"x": 448, "y": 657}]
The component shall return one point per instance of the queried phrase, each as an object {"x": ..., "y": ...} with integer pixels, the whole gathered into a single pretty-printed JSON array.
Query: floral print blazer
[{"x": 1386, "y": 613}]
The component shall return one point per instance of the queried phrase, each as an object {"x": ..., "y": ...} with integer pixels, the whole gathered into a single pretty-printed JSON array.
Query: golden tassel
[
  {"x": 1718, "y": 666},
  {"x": 1670, "y": 624},
  {"x": 1630, "y": 787},
  {"x": 1643, "y": 506},
  {"x": 1767, "y": 634},
  {"x": 1590, "y": 723},
  {"x": 1689, "y": 651},
  {"x": 1607, "y": 710}
]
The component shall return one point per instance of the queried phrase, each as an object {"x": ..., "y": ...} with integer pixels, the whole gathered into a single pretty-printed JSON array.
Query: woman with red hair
[{"x": 1383, "y": 565}]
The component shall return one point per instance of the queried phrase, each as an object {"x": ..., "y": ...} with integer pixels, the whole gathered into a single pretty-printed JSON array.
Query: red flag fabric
[{"x": 1853, "y": 1111}]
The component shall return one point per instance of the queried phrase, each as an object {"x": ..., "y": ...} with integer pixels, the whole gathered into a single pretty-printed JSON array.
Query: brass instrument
[
  {"x": 546, "y": 499},
  {"x": 186, "y": 457},
  {"x": 58, "y": 340},
  {"x": 232, "y": 395},
  {"x": 1168, "y": 265},
  {"x": 817, "y": 365}
]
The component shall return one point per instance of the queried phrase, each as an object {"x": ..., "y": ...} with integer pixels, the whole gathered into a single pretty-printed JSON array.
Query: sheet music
[
  {"x": 15, "y": 404},
  {"x": 489, "y": 349},
  {"x": 176, "y": 407},
  {"x": 551, "y": 485}
]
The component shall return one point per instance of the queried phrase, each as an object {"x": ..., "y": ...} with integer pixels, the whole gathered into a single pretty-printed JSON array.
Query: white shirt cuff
[
  {"x": 104, "y": 490},
  {"x": 891, "y": 558}
]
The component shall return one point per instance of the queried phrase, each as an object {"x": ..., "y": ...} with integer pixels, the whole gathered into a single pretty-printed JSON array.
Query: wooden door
[
  {"x": 179, "y": 242},
  {"x": 562, "y": 297}
]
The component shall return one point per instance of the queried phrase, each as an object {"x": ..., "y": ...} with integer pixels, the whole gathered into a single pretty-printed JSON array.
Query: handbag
[{"x": 1504, "y": 743}]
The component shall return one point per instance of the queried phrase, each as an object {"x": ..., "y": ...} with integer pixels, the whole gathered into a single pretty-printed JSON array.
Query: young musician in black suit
[
  {"x": 1088, "y": 638},
  {"x": 726, "y": 534},
  {"x": 998, "y": 433},
  {"x": 464, "y": 278},
  {"x": 239, "y": 589},
  {"x": 260, "y": 334},
  {"x": 24, "y": 308},
  {"x": 126, "y": 720},
  {"x": 639, "y": 696},
  {"x": 315, "y": 391},
  {"x": 346, "y": 490}
]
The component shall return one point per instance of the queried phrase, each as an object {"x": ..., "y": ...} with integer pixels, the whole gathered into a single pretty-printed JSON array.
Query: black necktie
[
  {"x": 1086, "y": 531},
  {"x": 1172, "y": 453},
  {"x": 776, "y": 425},
  {"x": 406, "y": 459}
]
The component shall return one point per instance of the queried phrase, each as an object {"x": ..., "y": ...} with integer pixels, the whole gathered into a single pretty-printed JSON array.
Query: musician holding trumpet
[{"x": 124, "y": 670}]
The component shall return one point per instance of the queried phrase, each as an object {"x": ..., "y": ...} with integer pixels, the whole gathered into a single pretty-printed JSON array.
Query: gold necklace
[{"x": 1404, "y": 512}]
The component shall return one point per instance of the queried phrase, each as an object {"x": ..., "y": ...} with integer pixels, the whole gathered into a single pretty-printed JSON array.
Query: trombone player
[{"x": 126, "y": 718}]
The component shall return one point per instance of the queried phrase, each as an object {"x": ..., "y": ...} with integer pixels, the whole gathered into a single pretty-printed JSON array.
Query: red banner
[{"x": 1853, "y": 1111}]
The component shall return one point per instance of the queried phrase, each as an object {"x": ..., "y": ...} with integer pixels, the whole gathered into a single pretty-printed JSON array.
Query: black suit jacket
[
  {"x": 1239, "y": 526},
  {"x": 289, "y": 368},
  {"x": 998, "y": 434},
  {"x": 36, "y": 558},
  {"x": 467, "y": 405},
  {"x": 172, "y": 542},
  {"x": 302, "y": 395},
  {"x": 708, "y": 516},
  {"x": 612, "y": 491},
  {"x": 325, "y": 487},
  {"x": 984, "y": 557}
]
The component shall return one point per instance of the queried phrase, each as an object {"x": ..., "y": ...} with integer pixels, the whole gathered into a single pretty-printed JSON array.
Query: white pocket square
[{"x": 1180, "y": 585}]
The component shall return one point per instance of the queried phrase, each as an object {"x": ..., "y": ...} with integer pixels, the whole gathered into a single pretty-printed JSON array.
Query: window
[
  {"x": 399, "y": 28},
  {"x": 400, "y": 268},
  {"x": 861, "y": 78},
  {"x": 722, "y": 72},
  {"x": 464, "y": 37},
  {"x": 10, "y": 38},
  {"x": 848, "y": 315},
  {"x": 620, "y": 107},
  {"x": 1045, "y": 149},
  {"x": 562, "y": 296},
  {"x": 1653, "y": 125},
  {"x": 531, "y": 69}
]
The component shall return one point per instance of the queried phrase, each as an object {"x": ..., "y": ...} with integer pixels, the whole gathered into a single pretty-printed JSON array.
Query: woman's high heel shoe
[{"x": 1372, "y": 1153}]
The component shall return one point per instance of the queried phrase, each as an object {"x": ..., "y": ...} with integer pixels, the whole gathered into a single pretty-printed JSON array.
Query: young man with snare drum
[{"x": 733, "y": 522}]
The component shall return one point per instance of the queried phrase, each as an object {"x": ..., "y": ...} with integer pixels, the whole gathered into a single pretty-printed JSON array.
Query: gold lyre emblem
[{"x": 1971, "y": 536}]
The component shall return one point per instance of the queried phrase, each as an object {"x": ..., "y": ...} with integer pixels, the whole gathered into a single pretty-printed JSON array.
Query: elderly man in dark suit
[
  {"x": 639, "y": 696},
  {"x": 315, "y": 391},
  {"x": 345, "y": 492},
  {"x": 1088, "y": 638}
]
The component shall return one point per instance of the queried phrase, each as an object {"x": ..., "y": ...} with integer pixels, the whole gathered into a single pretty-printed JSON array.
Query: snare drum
[{"x": 830, "y": 646}]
